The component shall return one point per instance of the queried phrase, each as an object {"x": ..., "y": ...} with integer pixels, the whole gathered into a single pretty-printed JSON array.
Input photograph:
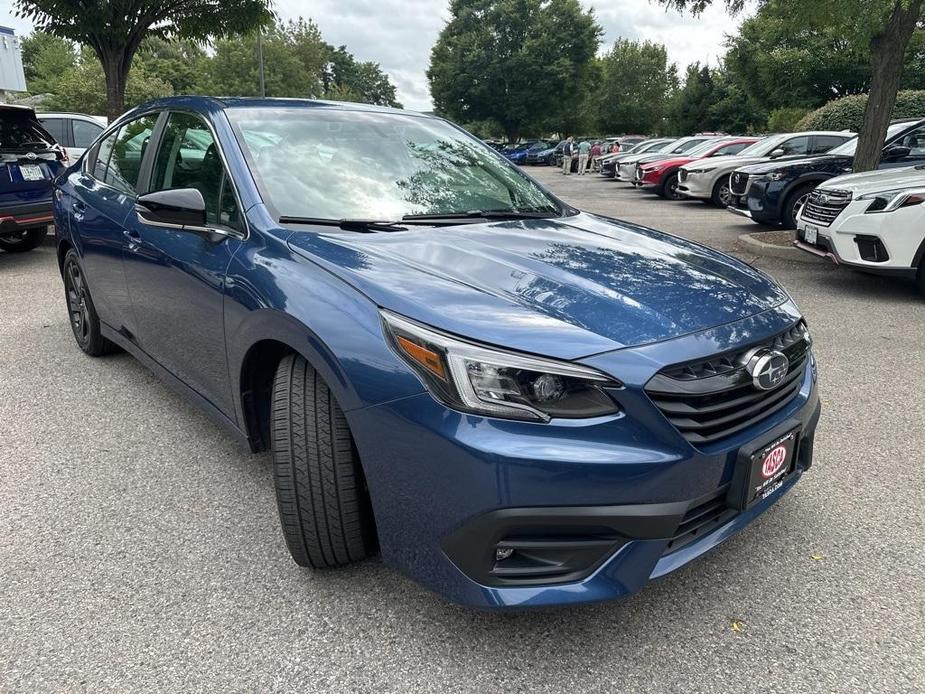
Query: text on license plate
[{"x": 31, "y": 172}]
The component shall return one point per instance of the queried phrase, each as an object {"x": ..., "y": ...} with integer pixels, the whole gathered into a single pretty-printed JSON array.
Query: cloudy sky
[{"x": 398, "y": 34}]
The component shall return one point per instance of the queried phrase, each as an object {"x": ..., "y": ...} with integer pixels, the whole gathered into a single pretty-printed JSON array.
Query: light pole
[{"x": 263, "y": 85}]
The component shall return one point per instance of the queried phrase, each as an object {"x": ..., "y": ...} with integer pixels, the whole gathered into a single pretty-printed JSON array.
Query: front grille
[
  {"x": 706, "y": 515},
  {"x": 824, "y": 206},
  {"x": 713, "y": 398},
  {"x": 738, "y": 183}
]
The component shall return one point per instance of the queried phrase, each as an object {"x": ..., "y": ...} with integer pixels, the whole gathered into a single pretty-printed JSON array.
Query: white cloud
[{"x": 398, "y": 34}]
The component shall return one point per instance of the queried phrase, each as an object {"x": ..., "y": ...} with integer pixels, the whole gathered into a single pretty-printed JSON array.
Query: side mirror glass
[{"x": 183, "y": 207}]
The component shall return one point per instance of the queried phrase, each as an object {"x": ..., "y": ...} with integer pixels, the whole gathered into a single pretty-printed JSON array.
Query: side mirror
[
  {"x": 896, "y": 152},
  {"x": 777, "y": 153},
  {"x": 179, "y": 207}
]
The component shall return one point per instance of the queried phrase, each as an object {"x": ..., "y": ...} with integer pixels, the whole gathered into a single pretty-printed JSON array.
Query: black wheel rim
[
  {"x": 77, "y": 302},
  {"x": 672, "y": 189}
]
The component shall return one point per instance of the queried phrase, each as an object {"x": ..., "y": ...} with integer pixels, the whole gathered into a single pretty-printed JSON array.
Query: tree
[
  {"x": 115, "y": 29},
  {"x": 521, "y": 63},
  {"x": 82, "y": 88},
  {"x": 182, "y": 64},
  {"x": 347, "y": 79},
  {"x": 637, "y": 81},
  {"x": 884, "y": 26},
  {"x": 44, "y": 59}
]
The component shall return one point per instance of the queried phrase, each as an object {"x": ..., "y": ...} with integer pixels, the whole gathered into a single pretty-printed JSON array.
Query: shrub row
[{"x": 847, "y": 113}]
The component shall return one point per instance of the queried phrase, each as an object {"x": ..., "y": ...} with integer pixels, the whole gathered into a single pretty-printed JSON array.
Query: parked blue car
[
  {"x": 29, "y": 161},
  {"x": 513, "y": 402}
]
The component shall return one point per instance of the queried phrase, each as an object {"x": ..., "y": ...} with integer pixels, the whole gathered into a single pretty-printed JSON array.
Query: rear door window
[
  {"x": 57, "y": 128},
  {"x": 125, "y": 154},
  {"x": 85, "y": 133}
]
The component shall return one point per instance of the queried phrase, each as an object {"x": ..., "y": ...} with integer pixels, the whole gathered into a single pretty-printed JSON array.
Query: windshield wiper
[
  {"x": 479, "y": 214},
  {"x": 347, "y": 224}
]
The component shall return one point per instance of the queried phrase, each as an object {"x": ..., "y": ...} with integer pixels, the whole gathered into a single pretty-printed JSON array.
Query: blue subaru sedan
[{"x": 513, "y": 402}]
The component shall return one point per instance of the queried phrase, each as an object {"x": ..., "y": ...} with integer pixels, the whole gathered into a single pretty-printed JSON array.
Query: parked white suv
[
  {"x": 73, "y": 131},
  {"x": 871, "y": 221},
  {"x": 708, "y": 179}
]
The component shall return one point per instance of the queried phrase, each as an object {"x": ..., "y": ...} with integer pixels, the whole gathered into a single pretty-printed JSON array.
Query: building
[{"x": 12, "y": 78}]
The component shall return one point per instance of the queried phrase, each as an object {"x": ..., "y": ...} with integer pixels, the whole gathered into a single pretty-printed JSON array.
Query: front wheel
[
  {"x": 669, "y": 189},
  {"x": 320, "y": 491},
  {"x": 722, "y": 193},
  {"x": 23, "y": 241},
  {"x": 794, "y": 203}
]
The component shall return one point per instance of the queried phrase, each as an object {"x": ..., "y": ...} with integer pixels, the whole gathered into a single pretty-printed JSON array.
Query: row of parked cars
[
  {"x": 872, "y": 221},
  {"x": 549, "y": 153},
  {"x": 34, "y": 149}
]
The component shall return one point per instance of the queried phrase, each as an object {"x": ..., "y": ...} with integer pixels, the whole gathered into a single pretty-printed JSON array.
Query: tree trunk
[
  {"x": 887, "y": 49},
  {"x": 115, "y": 68}
]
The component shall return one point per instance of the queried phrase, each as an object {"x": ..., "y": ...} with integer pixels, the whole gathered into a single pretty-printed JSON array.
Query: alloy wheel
[{"x": 77, "y": 302}]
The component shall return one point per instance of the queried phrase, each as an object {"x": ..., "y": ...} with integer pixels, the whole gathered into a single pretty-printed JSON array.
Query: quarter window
[{"x": 188, "y": 158}]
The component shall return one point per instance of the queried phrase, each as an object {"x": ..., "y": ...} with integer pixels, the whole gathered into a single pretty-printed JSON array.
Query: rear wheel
[
  {"x": 23, "y": 241},
  {"x": 85, "y": 323},
  {"x": 920, "y": 278},
  {"x": 669, "y": 188},
  {"x": 320, "y": 490},
  {"x": 792, "y": 206},
  {"x": 722, "y": 193}
]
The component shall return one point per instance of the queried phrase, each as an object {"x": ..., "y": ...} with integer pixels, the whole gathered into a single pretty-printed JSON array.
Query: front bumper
[
  {"x": 605, "y": 498},
  {"x": 696, "y": 186}
]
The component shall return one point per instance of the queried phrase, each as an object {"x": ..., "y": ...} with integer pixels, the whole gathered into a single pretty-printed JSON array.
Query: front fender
[{"x": 274, "y": 294}]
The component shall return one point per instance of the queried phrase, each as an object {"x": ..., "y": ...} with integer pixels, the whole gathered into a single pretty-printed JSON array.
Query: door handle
[{"x": 132, "y": 239}]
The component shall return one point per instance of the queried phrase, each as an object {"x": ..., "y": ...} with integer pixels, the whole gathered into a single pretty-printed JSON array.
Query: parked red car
[{"x": 662, "y": 175}]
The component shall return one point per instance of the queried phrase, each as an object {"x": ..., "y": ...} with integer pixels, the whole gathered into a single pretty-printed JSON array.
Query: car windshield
[
  {"x": 341, "y": 164},
  {"x": 763, "y": 147},
  {"x": 668, "y": 146},
  {"x": 849, "y": 147}
]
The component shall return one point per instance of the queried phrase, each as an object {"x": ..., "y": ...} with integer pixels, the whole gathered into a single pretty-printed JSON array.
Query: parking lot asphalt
[{"x": 140, "y": 548}]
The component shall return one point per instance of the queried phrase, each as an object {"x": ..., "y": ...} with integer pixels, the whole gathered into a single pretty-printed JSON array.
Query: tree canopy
[
  {"x": 299, "y": 63},
  {"x": 636, "y": 84},
  {"x": 520, "y": 63}
]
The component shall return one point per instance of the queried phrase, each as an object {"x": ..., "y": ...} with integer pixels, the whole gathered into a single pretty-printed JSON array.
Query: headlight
[
  {"x": 706, "y": 169},
  {"x": 891, "y": 200},
  {"x": 495, "y": 383},
  {"x": 776, "y": 175}
]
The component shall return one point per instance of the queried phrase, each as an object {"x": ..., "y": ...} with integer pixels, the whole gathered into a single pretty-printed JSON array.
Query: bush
[
  {"x": 784, "y": 120},
  {"x": 847, "y": 113}
]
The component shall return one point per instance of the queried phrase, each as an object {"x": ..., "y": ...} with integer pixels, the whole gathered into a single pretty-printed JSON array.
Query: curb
[{"x": 783, "y": 252}]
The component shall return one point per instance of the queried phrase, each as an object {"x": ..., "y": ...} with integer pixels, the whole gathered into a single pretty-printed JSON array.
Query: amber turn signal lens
[{"x": 429, "y": 359}]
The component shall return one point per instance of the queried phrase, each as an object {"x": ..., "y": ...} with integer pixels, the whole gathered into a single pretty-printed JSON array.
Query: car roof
[{"x": 214, "y": 103}]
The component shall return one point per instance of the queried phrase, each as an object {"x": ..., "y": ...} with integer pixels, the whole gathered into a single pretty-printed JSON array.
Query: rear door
[
  {"x": 176, "y": 277},
  {"x": 103, "y": 194}
]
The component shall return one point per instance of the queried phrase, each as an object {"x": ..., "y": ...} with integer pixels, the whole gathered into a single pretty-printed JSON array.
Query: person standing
[
  {"x": 584, "y": 149},
  {"x": 595, "y": 155},
  {"x": 568, "y": 151}
]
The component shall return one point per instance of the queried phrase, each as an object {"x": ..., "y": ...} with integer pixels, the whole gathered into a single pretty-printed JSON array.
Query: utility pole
[{"x": 263, "y": 85}]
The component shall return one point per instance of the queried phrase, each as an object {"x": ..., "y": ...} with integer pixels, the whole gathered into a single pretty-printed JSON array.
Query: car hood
[
  {"x": 797, "y": 165},
  {"x": 566, "y": 287},
  {"x": 667, "y": 161},
  {"x": 878, "y": 181}
]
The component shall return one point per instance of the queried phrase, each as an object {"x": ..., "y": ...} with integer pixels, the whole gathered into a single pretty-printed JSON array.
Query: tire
[
  {"x": 320, "y": 491},
  {"x": 722, "y": 194},
  {"x": 24, "y": 241},
  {"x": 794, "y": 201},
  {"x": 85, "y": 323},
  {"x": 920, "y": 278},
  {"x": 669, "y": 188}
]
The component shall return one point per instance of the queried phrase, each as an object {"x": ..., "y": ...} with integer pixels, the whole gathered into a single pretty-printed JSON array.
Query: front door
[{"x": 176, "y": 277}]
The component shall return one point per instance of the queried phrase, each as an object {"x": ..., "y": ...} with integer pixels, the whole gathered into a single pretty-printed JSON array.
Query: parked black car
[{"x": 773, "y": 192}]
